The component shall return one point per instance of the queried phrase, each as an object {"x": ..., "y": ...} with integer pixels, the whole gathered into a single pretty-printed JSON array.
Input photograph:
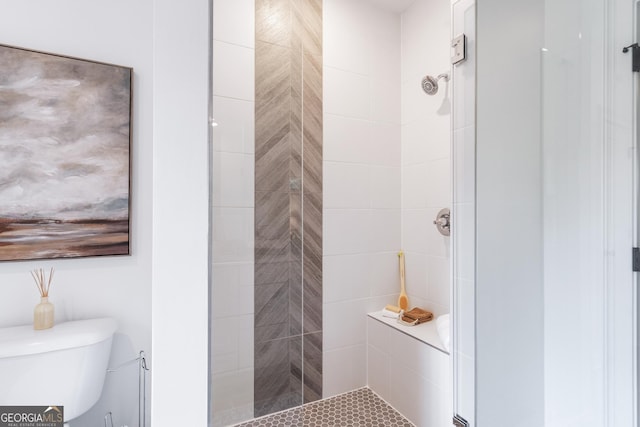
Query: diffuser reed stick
[{"x": 41, "y": 281}]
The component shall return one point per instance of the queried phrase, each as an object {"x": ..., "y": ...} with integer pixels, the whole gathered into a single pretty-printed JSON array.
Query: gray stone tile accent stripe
[{"x": 288, "y": 205}]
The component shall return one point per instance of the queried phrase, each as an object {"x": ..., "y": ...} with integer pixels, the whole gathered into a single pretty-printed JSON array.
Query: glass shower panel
[
  {"x": 266, "y": 267},
  {"x": 574, "y": 167},
  {"x": 233, "y": 216}
]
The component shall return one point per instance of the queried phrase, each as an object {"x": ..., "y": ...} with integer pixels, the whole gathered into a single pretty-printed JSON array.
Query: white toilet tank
[{"x": 64, "y": 366}]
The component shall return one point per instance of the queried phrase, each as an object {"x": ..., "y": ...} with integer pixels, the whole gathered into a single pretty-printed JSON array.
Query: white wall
[
  {"x": 361, "y": 181},
  {"x": 426, "y": 159},
  {"x": 167, "y": 45},
  {"x": 509, "y": 283},
  {"x": 119, "y": 287},
  {"x": 233, "y": 211},
  {"x": 180, "y": 223}
]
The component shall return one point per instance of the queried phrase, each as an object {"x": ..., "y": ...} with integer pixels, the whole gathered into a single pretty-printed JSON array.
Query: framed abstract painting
[{"x": 65, "y": 136}]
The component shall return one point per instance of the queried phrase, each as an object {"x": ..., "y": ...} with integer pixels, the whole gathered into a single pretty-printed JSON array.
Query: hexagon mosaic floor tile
[{"x": 358, "y": 408}]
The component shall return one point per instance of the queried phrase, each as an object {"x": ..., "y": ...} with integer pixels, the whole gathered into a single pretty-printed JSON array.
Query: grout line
[{"x": 302, "y": 251}]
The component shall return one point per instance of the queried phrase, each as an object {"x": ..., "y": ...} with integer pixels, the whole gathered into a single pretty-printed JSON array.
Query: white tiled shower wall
[
  {"x": 385, "y": 177},
  {"x": 386, "y": 171},
  {"x": 233, "y": 218},
  {"x": 361, "y": 191},
  {"x": 426, "y": 145}
]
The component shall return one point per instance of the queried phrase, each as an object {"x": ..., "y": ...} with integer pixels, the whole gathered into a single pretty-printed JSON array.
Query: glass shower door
[{"x": 587, "y": 214}]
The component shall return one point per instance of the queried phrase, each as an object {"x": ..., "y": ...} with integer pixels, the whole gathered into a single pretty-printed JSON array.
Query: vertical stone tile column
[{"x": 288, "y": 203}]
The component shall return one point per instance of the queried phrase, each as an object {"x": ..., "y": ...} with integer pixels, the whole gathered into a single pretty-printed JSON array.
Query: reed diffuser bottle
[{"x": 43, "y": 313}]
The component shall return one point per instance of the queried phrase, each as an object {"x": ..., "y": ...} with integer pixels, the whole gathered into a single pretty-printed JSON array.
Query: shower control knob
[{"x": 442, "y": 222}]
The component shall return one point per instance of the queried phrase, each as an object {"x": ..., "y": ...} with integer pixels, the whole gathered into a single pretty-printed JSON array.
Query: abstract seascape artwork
[{"x": 65, "y": 129}]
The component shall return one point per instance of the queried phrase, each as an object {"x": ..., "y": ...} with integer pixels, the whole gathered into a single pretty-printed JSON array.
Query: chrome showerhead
[{"x": 430, "y": 84}]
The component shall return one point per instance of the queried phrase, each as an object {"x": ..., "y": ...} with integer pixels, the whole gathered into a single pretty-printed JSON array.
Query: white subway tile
[
  {"x": 233, "y": 180},
  {"x": 377, "y": 303},
  {"x": 345, "y": 277},
  {"x": 344, "y": 324},
  {"x": 416, "y": 142},
  {"x": 416, "y": 275},
  {"x": 345, "y": 40},
  {"x": 439, "y": 134},
  {"x": 413, "y": 35},
  {"x": 429, "y": 363},
  {"x": 232, "y": 235},
  {"x": 378, "y": 371},
  {"x": 235, "y": 132},
  {"x": 224, "y": 362},
  {"x": 384, "y": 148},
  {"x": 384, "y": 37},
  {"x": 385, "y": 187},
  {"x": 346, "y": 185},
  {"x": 379, "y": 335},
  {"x": 344, "y": 369},
  {"x": 224, "y": 344},
  {"x": 425, "y": 21},
  {"x": 416, "y": 224},
  {"x": 438, "y": 183},
  {"x": 234, "y": 21},
  {"x": 464, "y": 166},
  {"x": 233, "y": 289},
  {"x": 346, "y": 139},
  {"x": 233, "y": 391},
  {"x": 384, "y": 234},
  {"x": 385, "y": 101},
  {"x": 245, "y": 339},
  {"x": 414, "y": 102},
  {"x": 346, "y": 94},
  {"x": 415, "y": 186},
  {"x": 347, "y": 231},
  {"x": 233, "y": 71},
  {"x": 438, "y": 280},
  {"x": 416, "y": 410},
  {"x": 463, "y": 229},
  {"x": 383, "y": 273}
]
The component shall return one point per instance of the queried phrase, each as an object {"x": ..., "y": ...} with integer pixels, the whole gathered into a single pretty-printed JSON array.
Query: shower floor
[{"x": 356, "y": 408}]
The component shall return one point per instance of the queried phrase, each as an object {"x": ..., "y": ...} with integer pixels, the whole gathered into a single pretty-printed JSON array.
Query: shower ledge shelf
[{"x": 426, "y": 332}]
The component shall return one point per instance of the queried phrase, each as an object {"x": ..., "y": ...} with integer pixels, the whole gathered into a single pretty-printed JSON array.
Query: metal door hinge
[
  {"x": 459, "y": 45},
  {"x": 635, "y": 259},
  {"x": 635, "y": 60},
  {"x": 458, "y": 421}
]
